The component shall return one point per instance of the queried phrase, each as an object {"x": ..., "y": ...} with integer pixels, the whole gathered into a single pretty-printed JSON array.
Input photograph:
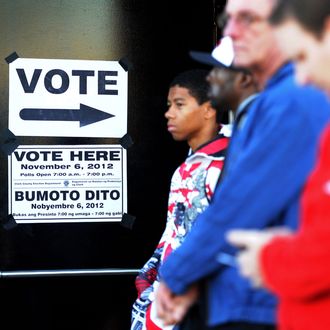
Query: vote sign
[{"x": 50, "y": 97}]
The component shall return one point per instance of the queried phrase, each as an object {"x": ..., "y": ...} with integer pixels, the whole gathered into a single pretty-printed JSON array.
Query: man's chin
[
  {"x": 243, "y": 63},
  {"x": 241, "y": 60}
]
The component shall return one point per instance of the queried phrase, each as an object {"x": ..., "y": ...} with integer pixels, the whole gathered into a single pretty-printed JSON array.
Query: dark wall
[
  {"x": 156, "y": 37},
  {"x": 170, "y": 30}
]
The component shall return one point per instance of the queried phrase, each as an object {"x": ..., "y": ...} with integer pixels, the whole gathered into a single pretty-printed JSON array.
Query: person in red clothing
[{"x": 295, "y": 266}]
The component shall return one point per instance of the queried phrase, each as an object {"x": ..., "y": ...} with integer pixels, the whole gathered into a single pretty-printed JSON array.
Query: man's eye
[{"x": 247, "y": 19}]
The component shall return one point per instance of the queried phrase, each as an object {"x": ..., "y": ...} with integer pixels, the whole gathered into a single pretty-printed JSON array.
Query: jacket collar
[
  {"x": 213, "y": 148},
  {"x": 283, "y": 72}
]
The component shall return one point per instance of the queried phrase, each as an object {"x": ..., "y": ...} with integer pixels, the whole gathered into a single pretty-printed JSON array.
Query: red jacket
[{"x": 297, "y": 268}]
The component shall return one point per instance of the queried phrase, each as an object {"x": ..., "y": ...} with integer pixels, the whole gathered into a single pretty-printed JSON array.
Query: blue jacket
[{"x": 268, "y": 162}]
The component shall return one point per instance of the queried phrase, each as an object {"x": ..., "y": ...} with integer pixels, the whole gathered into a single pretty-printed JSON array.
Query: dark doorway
[{"x": 155, "y": 36}]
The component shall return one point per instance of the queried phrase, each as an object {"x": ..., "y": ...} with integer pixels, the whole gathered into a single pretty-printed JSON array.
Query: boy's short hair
[{"x": 195, "y": 81}]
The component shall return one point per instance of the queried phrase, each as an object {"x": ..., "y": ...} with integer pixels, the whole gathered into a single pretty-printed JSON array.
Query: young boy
[{"x": 190, "y": 118}]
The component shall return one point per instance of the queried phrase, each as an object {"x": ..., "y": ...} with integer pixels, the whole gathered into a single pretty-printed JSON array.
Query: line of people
[
  {"x": 248, "y": 251},
  {"x": 195, "y": 113}
]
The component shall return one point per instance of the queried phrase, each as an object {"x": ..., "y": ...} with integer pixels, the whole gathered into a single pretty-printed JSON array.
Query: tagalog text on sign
[{"x": 81, "y": 183}]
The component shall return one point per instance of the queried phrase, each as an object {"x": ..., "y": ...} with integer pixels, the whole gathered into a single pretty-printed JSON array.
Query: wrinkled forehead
[{"x": 261, "y": 8}]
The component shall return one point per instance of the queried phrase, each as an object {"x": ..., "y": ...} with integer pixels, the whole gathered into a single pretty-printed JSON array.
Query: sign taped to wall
[
  {"x": 81, "y": 183},
  {"x": 78, "y": 98}
]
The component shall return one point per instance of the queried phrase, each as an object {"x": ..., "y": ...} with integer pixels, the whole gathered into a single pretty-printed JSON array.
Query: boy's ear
[{"x": 209, "y": 111}]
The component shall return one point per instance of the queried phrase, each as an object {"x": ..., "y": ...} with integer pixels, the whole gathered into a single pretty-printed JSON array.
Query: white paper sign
[
  {"x": 83, "y": 183},
  {"x": 78, "y": 98}
]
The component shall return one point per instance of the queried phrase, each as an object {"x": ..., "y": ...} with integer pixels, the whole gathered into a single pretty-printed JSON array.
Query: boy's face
[
  {"x": 185, "y": 117},
  {"x": 310, "y": 54}
]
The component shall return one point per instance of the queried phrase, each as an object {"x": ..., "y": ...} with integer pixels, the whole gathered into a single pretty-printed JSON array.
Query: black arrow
[{"x": 85, "y": 115}]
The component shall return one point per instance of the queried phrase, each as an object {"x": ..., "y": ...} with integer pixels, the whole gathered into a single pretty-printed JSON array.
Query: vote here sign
[
  {"x": 81, "y": 183},
  {"x": 78, "y": 98}
]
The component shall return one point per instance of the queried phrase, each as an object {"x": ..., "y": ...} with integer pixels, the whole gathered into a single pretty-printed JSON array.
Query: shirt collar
[{"x": 243, "y": 104}]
